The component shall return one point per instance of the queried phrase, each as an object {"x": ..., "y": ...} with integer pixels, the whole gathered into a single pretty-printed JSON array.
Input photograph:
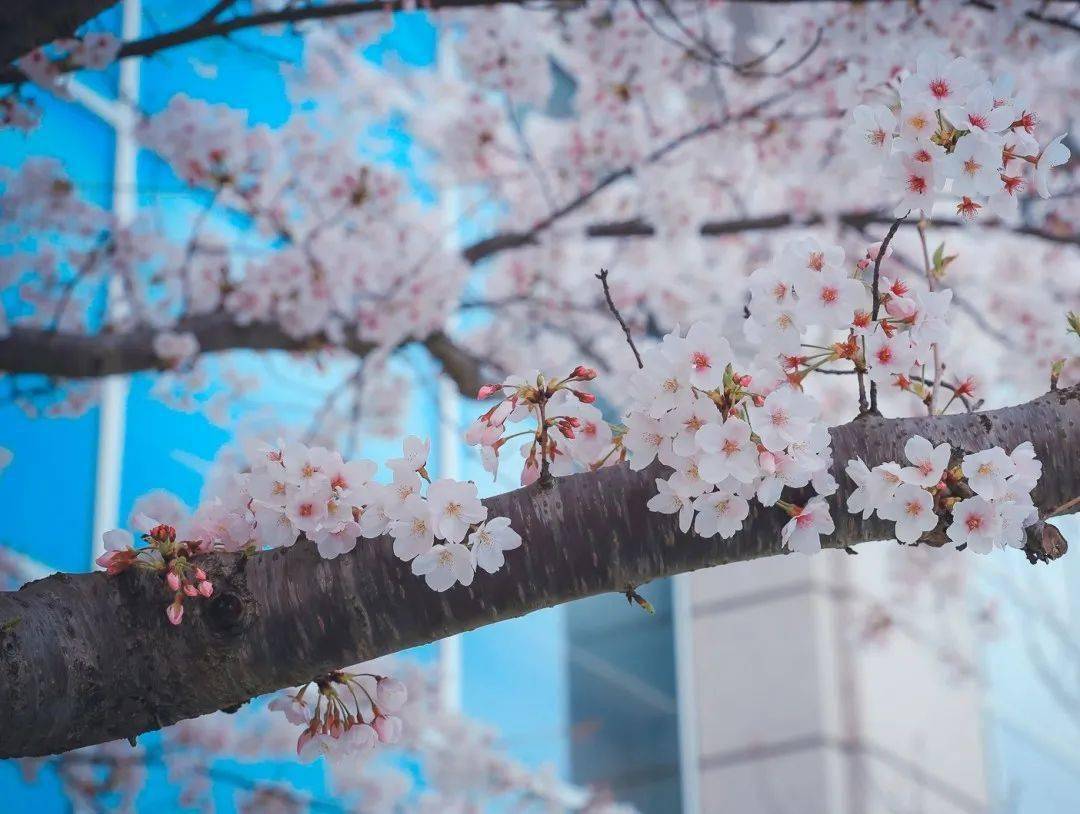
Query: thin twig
[
  {"x": 968, "y": 405},
  {"x": 934, "y": 347},
  {"x": 602, "y": 277},
  {"x": 877, "y": 297}
]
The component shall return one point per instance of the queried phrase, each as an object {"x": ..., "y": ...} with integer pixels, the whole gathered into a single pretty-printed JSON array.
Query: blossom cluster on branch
[
  {"x": 604, "y": 119},
  {"x": 951, "y": 130},
  {"x": 986, "y": 494}
]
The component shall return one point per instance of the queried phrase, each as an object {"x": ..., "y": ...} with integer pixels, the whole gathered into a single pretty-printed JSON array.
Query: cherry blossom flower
[
  {"x": 913, "y": 181},
  {"x": 706, "y": 351},
  {"x": 888, "y": 356},
  {"x": 490, "y": 540},
  {"x": 928, "y": 462},
  {"x": 1053, "y": 155},
  {"x": 976, "y": 524},
  {"x": 912, "y": 508},
  {"x": 413, "y": 528},
  {"x": 728, "y": 451},
  {"x": 882, "y": 484},
  {"x": 720, "y": 513},
  {"x": 805, "y": 254},
  {"x": 779, "y": 470},
  {"x": 858, "y": 501},
  {"x": 683, "y": 424},
  {"x": 454, "y": 507},
  {"x": 830, "y": 299},
  {"x": 784, "y": 417},
  {"x": 940, "y": 80},
  {"x": 416, "y": 451},
  {"x": 176, "y": 349},
  {"x": 987, "y": 471},
  {"x": 668, "y": 382},
  {"x": 870, "y": 136},
  {"x": 644, "y": 439},
  {"x": 984, "y": 110},
  {"x": 668, "y": 500},
  {"x": 803, "y": 531},
  {"x": 1026, "y": 467},
  {"x": 975, "y": 165},
  {"x": 443, "y": 566}
]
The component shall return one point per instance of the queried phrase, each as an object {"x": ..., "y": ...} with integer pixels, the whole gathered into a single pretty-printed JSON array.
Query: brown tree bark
[
  {"x": 26, "y": 24},
  {"x": 89, "y": 658}
]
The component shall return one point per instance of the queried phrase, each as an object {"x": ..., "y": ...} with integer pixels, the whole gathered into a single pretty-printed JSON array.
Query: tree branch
[
  {"x": 208, "y": 24},
  {"x": 786, "y": 220},
  {"x": 26, "y": 24},
  {"x": 88, "y": 658},
  {"x": 83, "y": 356}
]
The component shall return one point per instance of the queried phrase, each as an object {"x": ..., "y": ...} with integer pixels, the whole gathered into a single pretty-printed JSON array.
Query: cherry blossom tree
[{"x": 720, "y": 245}]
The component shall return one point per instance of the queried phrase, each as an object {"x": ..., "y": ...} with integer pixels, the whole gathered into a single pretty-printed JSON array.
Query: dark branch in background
[
  {"x": 208, "y": 25},
  {"x": 855, "y": 220},
  {"x": 82, "y": 356},
  {"x": 28, "y": 350},
  {"x": 89, "y": 658},
  {"x": 26, "y": 24}
]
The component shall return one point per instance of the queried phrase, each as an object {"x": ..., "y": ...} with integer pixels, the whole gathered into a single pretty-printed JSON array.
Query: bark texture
[{"x": 88, "y": 658}]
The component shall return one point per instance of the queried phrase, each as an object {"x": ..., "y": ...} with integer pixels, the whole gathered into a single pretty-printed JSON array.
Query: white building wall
[{"x": 800, "y": 712}]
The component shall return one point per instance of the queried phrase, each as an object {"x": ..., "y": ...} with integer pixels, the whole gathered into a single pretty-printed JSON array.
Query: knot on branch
[{"x": 1044, "y": 543}]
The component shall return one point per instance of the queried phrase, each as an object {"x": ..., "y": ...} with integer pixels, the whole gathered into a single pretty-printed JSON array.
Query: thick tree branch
[
  {"x": 88, "y": 658},
  {"x": 82, "y": 356},
  {"x": 26, "y": 24},
  {"x": 209, "y": 25}
]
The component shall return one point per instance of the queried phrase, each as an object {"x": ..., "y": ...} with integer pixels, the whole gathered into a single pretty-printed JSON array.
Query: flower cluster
[
  {"x": 47, "y": 64},
  {"x": 953, "y": 130},
  {"x": 729, "y": 437},
  {"x": 176, "y": 349},
  {"x": 290, "y": 490},
  {"x": 982, "y": 501},
  {"x": 569, "y": 429},
  {"x": 809, "y": 285},
  {"x": 163, "y": 554},
  {"x": 353, "y": 711}
]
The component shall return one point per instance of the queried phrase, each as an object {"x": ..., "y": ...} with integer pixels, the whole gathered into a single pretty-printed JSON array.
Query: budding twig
[{"x": 602, "y": 277}]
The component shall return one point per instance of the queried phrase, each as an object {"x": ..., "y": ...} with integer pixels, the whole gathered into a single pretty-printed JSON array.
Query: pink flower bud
[
  {"x": 305, "y": 736},
  {"x": 531, "y": 473},
  {"x": 388, "y": 728},
  {"x": 586, "y": 374},
  {"x": 759, "y": 401},
  {"x": 173, "y": 581},
  {"x": 488, "y": 390},
  {"x": 584, "y": 398},
  {"x": 206, "y": 588},
  {"x": 175, "y": 611},
  {"x": 390, "y": 694},
  {"x": 200, "y": 575},
  {"x": 745, "y": 380}
]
